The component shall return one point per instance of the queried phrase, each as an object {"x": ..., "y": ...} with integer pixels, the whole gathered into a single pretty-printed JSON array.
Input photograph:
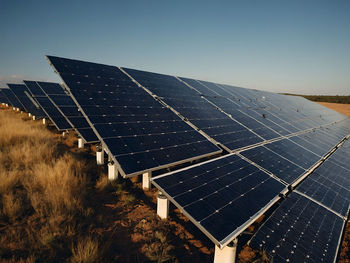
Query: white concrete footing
[
  {"x": 29, "y": 115},
  {"x": 2, "y": 103},
  {"x": 112, "y": 171},
  {"x": 17, "y": 109},
  {"x": 162, "y": 206},
  {"x": 33, "y": 117},
  {"x": 146, "y": 180},
  {"x": 44, "y": 121},
  {"x": 227, "y": 254},
  {"x": 6, "y": 105},
  {"x": 81, "y": 143},
  {"x": 100, "y": 158},
  {"x": 13, "y": 108}
]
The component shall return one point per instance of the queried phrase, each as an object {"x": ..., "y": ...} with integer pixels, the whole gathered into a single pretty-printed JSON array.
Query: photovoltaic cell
[
  {"x": 22, "y": 94},
  {"x": 268, "y": 114},
  {"x": 12, "y": 99},
  {"x": 341, "y": 155},
  {"x": 67, "y": 107},
  {"x": 329, "y": 184},
  {"x": 212, "y": 193},
  {"x": 138, "y": 131},
  {"x": 300, "y": 230},
  {"x": 274, "y": 163},
  {"x": 51, "y": 111},
  {"x": 3, "y": 98},
  {"x": 196, "y": 109},
  {"x": 34, "y": 89}
]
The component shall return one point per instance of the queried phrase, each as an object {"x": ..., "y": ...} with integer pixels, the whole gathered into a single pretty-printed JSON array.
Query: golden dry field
[{"x": 339, "y": 107}]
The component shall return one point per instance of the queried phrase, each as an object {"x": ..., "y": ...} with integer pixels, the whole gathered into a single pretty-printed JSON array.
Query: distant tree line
[{"x": 325, "y": 98}]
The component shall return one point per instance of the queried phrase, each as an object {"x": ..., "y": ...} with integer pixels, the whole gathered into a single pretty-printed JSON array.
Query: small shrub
[
  {"x": 159, "y": 250},
  {"x": 86, "y": 250},
  {"x": 103, "y": 183},
  {"x": 11, "y": 207}
]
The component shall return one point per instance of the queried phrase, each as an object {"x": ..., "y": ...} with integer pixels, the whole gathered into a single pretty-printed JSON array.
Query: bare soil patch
[{"x": 341, "y": 108}]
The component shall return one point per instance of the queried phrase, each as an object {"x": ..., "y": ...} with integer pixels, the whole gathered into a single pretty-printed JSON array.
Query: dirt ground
[{"x": 342, "y": 108}]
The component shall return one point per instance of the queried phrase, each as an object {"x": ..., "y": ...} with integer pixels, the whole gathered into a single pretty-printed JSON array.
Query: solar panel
[
  {"x": 188, "y": 102},
  {"x": 12, "y": 99},
  {"x": 3, "y": 98},
  {"x": 22, "y": 94},
  {"x": 341, "y": 156},
  {"x": 65, "y": 104},
  {"x": 300, "y": 230},
  {"x": 266, "y": 113},
  {"x": 330, "y": 183},
  {"x": 221, "y": 196},
  {"x": 139, "y": 132},
  {"x": 56, "y": 117}
]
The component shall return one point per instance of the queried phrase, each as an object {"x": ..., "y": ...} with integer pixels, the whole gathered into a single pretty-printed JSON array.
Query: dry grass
[
  {"x": 85, "y": 251},
  {"x": 42, "y": 196}
]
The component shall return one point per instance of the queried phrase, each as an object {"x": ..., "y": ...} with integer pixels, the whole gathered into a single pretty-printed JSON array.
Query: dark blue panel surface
[
  {"x": 67, "y": 107},
  {"x": 3, "y": 98},
  {"x": 341, "y": 156},
  {"x": 123, "y": 114},
  {"x": 51, "y": 88},
  {"x": 53, "y": 113},
  {"x": 300, "y": 231},
  {"x": 329, "y": 184},
  {"x": 12, "y": 99},
  {"x": 213, "y": 192},
  {"x": 276, "y": 164},
  {"x": 34, "y": 88},
  {"x": 198, "y": 110},
  {"x": 22, "y": 93},
  {"x": 294, "y": 153}
]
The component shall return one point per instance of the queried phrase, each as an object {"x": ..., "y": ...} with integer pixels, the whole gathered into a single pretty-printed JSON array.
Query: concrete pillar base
[
  {"x": 29, "y": 115},
  {"x": 227, "y": 254},
  {"x": 112, "y": 171},
  {"x": 146, "y": 181},
  {"x": 80, "y": 143},
  {"x": 100, "y": 158},
  {"x": 33, "y": 118},
  {"x": 17, "y": 109},
  {"x": 162, "y": 206},
  {"x": 44, "y": 121},
  {"x": 63, "y": 134}
]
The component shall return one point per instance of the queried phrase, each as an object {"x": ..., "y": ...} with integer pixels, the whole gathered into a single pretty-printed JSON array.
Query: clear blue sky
[{"x": 281, "y": 46}]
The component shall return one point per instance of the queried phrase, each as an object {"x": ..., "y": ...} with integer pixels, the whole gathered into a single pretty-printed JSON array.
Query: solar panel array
[
  {"x": 12, "y": 99},
  {"x": 309, "y": 224},
  {"x": 3, "y": 98},
  {"x": 300, "y": 230},
  {"x": 51, "y": 111},
  {"x": 149, "y": 121},
  {"x": 67, "y": 107},
  {"x": 139, "y": 132},
  {"x": 22, "y": 94}
]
